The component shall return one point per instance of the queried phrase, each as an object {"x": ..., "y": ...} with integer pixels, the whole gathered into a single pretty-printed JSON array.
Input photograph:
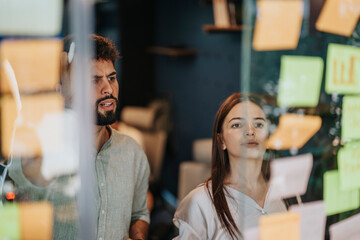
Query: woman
[{"x": 234, "y": 197}]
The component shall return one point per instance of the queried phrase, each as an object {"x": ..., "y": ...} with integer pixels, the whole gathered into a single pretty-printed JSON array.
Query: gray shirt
[{"x": 122, "y": 173}]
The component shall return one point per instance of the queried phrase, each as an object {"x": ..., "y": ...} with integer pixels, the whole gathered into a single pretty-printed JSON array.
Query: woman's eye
[
  {"x": 236, "y": 125},
  {"x": 259, "y": 125}
]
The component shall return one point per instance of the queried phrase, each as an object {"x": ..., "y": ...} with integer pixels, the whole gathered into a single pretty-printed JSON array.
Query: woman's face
[{"x": 245, "y": 131}]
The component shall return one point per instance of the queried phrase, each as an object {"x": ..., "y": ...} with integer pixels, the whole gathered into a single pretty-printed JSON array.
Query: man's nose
[{"x": 106, "y": 88}]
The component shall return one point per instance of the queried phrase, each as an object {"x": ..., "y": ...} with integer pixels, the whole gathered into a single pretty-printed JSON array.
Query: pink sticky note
[
  {"x": 251, "y": 233},
  {"x": 313, "y": 219},
  {"x": 289, "y": 176},
  {"x": 347, "y": 229}
]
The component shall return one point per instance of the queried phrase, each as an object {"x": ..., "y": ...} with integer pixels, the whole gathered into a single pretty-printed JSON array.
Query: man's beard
[{"x": 109, "y": 117}]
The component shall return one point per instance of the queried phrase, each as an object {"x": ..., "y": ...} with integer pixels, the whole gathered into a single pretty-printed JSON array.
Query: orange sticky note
[
  {"x": 277, "y": 25},
  {"x": 36, "y": 220},
  {"x": 281, "y": 226},
  {"x": 34, "y": 108},
  {"x": 35, "y": 64},
  {"x": 294, "y": 131},
  {"x": 339, "y": 17}
]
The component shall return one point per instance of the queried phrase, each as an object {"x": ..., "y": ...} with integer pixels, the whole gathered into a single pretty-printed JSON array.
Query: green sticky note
[
  {"x": 9, "y": 222},
  {"x": 349, "y": 167},
  {"x": 350, "y": 119},
  {"x": 342, "y": 69},
  {"x": 337, "y": 200},
  {"x": 300, "y": 81}
]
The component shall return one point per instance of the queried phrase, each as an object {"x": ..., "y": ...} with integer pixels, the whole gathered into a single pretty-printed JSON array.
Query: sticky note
[
  {"x": 337, "y": 200},
  {"x": 10, "y": 225},
  {"x": 339, "y": 17},
  {"x": 313, "y": 220},
  {"x": 277, "y": 25},
  {"x": 342, "y": 69},
  {"x": 36, "y": 220},
  {"x": 350, "y": 119},
  {"x": 289, "y": 176},
  {"x": 293, "y": 131},
  {"x": 36, "y": 17},
  {"x": 22, "y": 135},
  {"x": 347, "y": 229},
  {"x": 281, "y": 226},
  {"x": 35, "y": 64},
  {"x": 251, "y": 233},
  {"x": 349, "y": 167},
  {"x": 300, "y": 81}
]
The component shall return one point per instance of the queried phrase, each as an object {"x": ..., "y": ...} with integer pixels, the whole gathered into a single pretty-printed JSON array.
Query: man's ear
[{"x": 221, "y": 141}]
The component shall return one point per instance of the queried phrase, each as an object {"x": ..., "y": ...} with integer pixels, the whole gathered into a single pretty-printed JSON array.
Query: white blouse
[{"x": 196, "y": 216}]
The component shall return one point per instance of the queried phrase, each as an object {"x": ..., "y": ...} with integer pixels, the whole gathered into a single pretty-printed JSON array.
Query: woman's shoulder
[{"x": 196, "y": 200}]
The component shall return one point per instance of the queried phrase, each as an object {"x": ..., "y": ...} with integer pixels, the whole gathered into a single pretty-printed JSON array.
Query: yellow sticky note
[
  {"x": 339, "y": 17},
  {"x": 281, "y": 226},
  {"x": 342, "y": 69},
  {"x": 337, "y": 200},
  {"x": 293, "y": 131},
  {"x": 34, "y": 109},
  {"x": 9, "y": 219},
  {"x": 350, "y": 119},
  {"x": 277, "y": 25},
  {"x": 36, "y": 220},
  {"x": 36, "y": 17},
  {"x": 35, "y": 65},
  {"x": 349, "y": 166}
]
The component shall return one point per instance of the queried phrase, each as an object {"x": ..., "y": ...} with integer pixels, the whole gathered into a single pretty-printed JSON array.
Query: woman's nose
[{"x": 250, "y": 130}]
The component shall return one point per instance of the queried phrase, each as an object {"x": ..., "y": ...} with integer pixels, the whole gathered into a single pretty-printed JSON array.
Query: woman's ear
[{"x": 221, "y": 141}]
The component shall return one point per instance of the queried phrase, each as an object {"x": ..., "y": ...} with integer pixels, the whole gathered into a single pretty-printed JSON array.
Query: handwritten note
[
  {"x": 339, "y": 17},
  {"x": 293, "y": 131},
  {"x": 278, "y": 25},
  {"x": 342, "y": 69},
  {"x": 281, "y": 226},
  {"x": 313, "y": 220},
  {"x": 347, "y": 229},
  {"x": 337, "y": 200},
  {"x": 22, "y": 135},
  {"x": 36, "y": 220},
  {"x": 300, "y": 81},
  {"x": 350, "y": 119},
  {"x": 35, "y": 65},
  {"x": 9, "y": 218},
  {"x": 36, "y": 17},
  {"x": 289, "y": 176}
]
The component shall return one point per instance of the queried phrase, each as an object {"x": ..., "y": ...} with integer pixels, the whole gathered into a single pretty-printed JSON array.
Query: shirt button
[
  {"x": 262, "y": 212},
  {"x": 102, "y": 184},
  {"x": 100, "y": 238},
  {"x": 102, "y": 211}
]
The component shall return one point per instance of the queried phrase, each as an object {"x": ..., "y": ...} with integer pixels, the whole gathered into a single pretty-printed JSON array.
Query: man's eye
[{"x": 111, "y": 79}]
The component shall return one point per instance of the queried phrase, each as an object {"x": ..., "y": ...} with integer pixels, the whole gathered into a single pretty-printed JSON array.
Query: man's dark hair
[{"x": 105, "y": 48}]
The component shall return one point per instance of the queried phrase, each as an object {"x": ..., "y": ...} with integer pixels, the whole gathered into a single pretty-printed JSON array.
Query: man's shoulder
[{"x": 123, "y": 140}]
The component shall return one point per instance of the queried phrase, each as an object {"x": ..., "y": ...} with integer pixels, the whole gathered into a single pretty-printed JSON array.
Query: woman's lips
[{"x": 251, "y": 144}]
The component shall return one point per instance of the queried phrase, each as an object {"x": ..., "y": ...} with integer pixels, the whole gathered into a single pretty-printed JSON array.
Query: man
[{"x": 121, "y": 169}]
